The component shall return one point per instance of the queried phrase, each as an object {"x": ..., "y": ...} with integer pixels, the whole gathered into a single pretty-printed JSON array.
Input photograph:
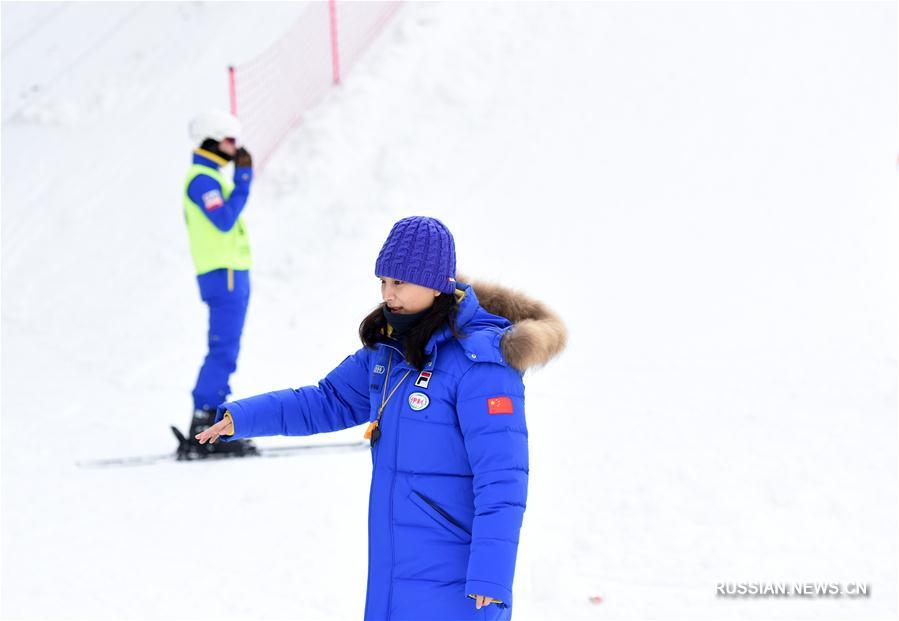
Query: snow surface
[{"x": 706, "y": 192}]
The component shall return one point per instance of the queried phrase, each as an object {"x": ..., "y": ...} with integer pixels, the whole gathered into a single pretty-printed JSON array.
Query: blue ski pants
[{"x": 226, "y": 292}]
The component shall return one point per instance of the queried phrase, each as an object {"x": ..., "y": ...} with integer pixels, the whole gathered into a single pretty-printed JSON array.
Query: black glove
[{"x": 243, "y": 159}]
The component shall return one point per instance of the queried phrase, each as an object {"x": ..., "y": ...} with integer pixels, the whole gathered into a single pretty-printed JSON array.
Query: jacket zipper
[
  {"x": 396, "y": 452},
  {"x": 390, "y": 496},
  {"x": 368, "y": 582}
]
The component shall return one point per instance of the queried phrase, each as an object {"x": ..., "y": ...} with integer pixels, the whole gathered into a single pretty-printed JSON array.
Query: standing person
[
  {"x": 439, "y": 382},
  {"x": 220, "y": 250}
]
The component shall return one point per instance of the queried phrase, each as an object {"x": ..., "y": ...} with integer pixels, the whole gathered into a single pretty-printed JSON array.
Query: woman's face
[
  {"x": 405, "y": 297},
  {"x": 228, "y": 146}
]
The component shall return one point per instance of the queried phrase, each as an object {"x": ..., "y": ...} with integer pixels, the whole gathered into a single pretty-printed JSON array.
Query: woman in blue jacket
[{"x": 438, "y": 381}]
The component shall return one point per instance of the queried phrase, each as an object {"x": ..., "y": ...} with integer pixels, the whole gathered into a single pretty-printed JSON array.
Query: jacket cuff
[
  {"x": 232, "y": 410},
  {"x": 490, "y": 589},
  {"x": 243, "y": 176},
  {"x": 228, "y": 418}
]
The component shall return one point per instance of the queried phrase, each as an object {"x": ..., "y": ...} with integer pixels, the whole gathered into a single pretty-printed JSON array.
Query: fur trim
[{"x": 538, "y": 334}]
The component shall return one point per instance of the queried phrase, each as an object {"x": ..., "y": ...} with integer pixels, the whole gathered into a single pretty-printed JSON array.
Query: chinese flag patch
[{"x": 499, "y": 405}]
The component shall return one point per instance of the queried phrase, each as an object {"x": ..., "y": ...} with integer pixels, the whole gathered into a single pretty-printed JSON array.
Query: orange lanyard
[{"x": 374, "y": 432}]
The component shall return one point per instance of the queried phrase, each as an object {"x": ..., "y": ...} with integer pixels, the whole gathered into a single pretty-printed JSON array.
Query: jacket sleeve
[
  {"x": 339, "y": 401},
  {"x": 206, "y": 192},
  {"x": 490, "y": 407}
]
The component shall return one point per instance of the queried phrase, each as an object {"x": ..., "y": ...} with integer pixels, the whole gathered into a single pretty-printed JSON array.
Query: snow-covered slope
[{"x": 705, "y": 192}]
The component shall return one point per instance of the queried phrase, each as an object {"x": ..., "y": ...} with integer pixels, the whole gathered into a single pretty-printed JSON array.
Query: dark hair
[{"x": 373, "y": 328}]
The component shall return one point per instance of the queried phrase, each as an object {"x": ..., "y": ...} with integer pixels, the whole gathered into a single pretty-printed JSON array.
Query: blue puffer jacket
[{"x": 450, "y": 470}]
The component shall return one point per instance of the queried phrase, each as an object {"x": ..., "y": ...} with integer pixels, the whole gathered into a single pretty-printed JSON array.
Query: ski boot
[{"x": 189, "y": 448}]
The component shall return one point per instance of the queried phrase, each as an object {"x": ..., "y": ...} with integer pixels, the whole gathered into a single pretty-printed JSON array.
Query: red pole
[
  {"x": 232, "y": 90},
  {"x": 335, "y": 56}
]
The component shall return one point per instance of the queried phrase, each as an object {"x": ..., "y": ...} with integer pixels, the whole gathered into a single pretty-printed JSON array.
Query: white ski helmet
[{"x": 215, "y": 124}]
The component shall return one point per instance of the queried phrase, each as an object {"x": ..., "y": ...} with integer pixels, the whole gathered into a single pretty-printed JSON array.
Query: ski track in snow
[{"x": 705, "y": 192}]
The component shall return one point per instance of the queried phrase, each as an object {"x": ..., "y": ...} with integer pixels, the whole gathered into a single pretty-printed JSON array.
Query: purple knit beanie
[{"x": 419, "y": 250}]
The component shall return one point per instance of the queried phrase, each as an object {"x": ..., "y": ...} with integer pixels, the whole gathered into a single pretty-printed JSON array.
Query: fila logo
[
  {"x": 379, "y": 368},
  {"x": 423, "y": 378}
]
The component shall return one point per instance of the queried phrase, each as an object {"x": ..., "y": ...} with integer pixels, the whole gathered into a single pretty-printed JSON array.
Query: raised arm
[{"x": 207, "y": 194}]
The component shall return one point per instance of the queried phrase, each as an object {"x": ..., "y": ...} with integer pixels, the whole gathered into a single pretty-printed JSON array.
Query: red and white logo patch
[
  {"x": 423, "y": 379},
  {"x": 212, "y": 200},
  {"x": 499, "y": 405}
]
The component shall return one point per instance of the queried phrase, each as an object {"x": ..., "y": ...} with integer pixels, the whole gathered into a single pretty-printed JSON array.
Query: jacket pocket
[{"x": 440, "y": 515}]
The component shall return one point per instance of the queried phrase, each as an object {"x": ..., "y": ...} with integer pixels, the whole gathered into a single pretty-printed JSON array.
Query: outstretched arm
[{"x": 338, "y": 401}]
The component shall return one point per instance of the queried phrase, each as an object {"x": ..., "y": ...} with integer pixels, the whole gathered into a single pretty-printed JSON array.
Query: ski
[{"x": 277, "y": 451}]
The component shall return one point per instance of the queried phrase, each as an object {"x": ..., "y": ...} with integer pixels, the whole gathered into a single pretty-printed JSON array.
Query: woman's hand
[
  {"x": 483, "y": 600},
  {"x": 212, "y": 434}
]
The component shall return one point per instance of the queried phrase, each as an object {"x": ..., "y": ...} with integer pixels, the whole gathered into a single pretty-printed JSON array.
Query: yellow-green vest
[{"x": 210, "y": 247}]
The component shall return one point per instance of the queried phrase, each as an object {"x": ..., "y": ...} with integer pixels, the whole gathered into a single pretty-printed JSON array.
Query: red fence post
[
  {"x": 232, "y": 90},
  {"x": 287, "y": 79},
  {"x": 335, "y": 55}
]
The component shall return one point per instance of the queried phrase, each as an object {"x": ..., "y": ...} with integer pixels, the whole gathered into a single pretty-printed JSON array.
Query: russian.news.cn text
[{"x": 792, "y": 589}]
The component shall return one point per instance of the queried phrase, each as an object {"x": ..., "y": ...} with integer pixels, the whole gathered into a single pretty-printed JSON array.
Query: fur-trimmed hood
[{"x": 536, "y": 335}]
